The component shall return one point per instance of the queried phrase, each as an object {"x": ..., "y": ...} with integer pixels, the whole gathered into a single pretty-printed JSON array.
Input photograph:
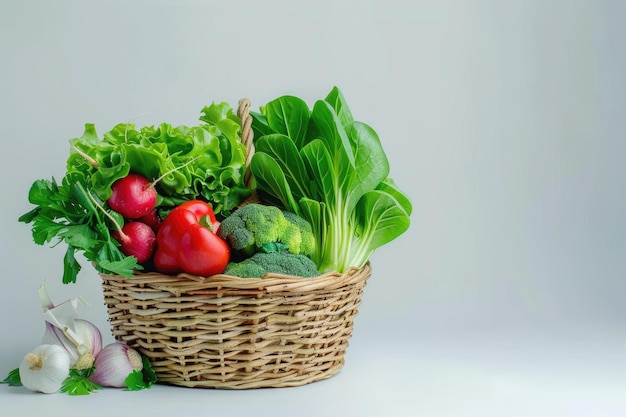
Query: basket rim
[{"x": 269, "y": 283}]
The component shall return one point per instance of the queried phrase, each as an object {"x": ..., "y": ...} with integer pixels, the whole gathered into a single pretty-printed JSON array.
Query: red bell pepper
[{"x": 187, "y": 242}]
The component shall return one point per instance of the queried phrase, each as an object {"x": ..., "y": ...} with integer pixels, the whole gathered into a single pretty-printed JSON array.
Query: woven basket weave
[{"x": 237, "y": 333}]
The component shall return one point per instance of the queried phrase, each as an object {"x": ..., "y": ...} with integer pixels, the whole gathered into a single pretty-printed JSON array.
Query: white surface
[
  {"x": 461, "y": 375},
  {"x": 504, "y": 122}
]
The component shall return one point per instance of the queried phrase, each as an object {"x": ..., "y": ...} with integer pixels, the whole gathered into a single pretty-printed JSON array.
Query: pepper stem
[{"x": 206, "y": 222}]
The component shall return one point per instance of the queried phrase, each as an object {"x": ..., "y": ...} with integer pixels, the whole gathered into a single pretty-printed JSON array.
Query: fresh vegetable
[
  {"x": 280, "y": 262},
  {"x": 331, "y": 170},
  {"x": 45, "y": 368},
  {"x": 80, "y": 339},
  {"x": 137, "y": 239},
  {"x": 66, "y": 212},
  {"x": 254, "y": 226},
  {"x": 71, "y": 354},
  {"x": 132, "y": 196},
  {"x": 187, "y": 242},
  {"x": 205, "y": 162},
  {"x": 81, "y": 351},
  {"x": 152, "y": 219},
  {"x": 13, "y": 378},
  {"x": 77, "y": 383},
  {"x": 114, "y": 364}
]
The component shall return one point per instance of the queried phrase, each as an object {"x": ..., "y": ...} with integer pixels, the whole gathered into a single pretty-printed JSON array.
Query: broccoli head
[
  {"x": 262, "y": 263},
  {"x": 252, "y": 227}
]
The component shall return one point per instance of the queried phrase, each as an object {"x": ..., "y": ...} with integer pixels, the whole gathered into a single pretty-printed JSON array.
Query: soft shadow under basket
[{"x": 237, "y": 333}]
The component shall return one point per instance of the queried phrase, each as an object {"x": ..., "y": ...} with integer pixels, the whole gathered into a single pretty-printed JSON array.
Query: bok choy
[{"x": 332, "y": 170}]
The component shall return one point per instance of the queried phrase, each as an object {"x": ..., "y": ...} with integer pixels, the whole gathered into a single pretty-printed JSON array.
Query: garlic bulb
[
  {"x": 81, "y": 339},
  {"x": 45, "y": 368},
  {"x": 82, "y": 347},
  {"x": 114, "y": 364}
]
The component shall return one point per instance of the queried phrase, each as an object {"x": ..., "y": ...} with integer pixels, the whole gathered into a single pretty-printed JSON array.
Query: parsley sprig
[
  {"x": 78, "y": 383},
  {"x": 67, "y": 213},
  {"x": 144, "y": 379}
]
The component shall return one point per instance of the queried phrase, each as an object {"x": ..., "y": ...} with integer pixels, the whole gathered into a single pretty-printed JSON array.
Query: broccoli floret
[
  {"x": 254, "y": 226},
  {"x": 245, "y": 269},
  {"x": 250, "y": 227},
  {"x": 299, "y": 237},
  {"x": 284, "y": 262}
]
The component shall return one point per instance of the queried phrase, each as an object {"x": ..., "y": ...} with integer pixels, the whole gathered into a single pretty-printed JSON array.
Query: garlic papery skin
[
  {"x": 45, "y": 368},
  {"x": 82, "y": 345},
  {"x": 113, "y": 365},
  {"x": 81, "y": 339}
]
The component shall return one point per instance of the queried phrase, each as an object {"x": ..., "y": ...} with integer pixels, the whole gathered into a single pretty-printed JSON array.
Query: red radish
[
  {"x": 136, "y": 239},
  {"x": 152, "y": 219},
  {"x": 133, "y": 196}
]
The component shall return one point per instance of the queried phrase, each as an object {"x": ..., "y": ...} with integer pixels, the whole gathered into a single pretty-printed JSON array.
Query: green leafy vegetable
[
  {"x": 204, "y": 162},
  {"x": 65, "y": 212},
  {"x": 78, "y": 383},
  {"x": 13, "y": 379},
  {"x": 331, "y": 170},
  {"x": 144, "y": 379}
]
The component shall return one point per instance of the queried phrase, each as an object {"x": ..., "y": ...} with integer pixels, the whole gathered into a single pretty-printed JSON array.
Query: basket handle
[{"x": 247, "y": 136}]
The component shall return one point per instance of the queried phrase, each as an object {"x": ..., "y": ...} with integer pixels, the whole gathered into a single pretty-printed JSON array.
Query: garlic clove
[{"x": 45, "y": 368}]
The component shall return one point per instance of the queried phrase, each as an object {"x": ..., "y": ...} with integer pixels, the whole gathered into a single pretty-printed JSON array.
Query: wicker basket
[{"x": 237, "y": 333}]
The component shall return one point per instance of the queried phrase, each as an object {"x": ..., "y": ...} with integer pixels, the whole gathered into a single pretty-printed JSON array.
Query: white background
[{"x": 503, "y": 120}]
